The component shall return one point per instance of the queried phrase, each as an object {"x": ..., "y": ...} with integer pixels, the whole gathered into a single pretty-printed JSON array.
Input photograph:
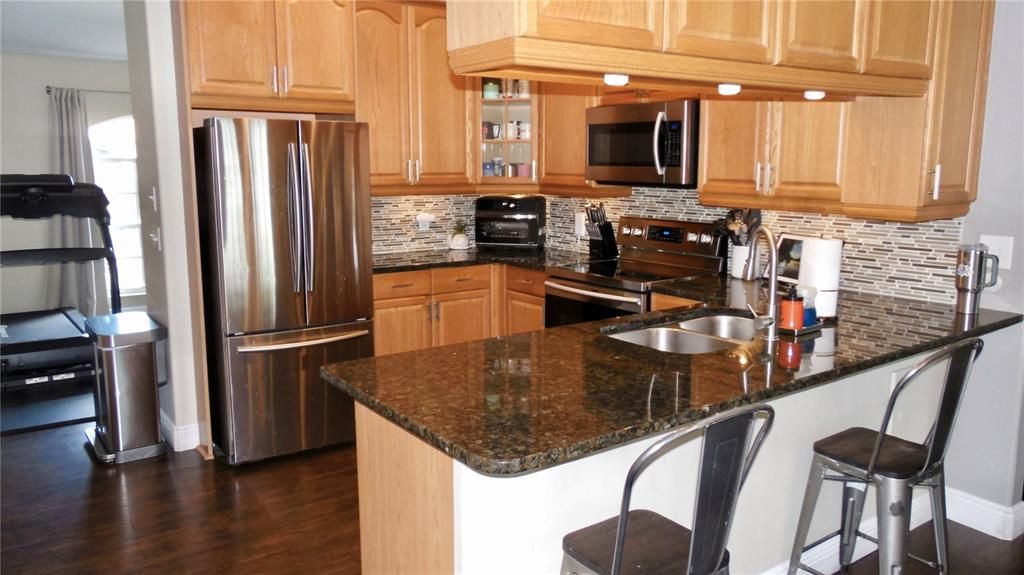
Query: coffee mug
[
  {"x": 488, "y": 169},
  {"x": 496, "y": 131},
  {"x": 523, "y": 170}
]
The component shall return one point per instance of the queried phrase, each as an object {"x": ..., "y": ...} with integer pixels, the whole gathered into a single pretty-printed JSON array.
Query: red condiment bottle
[{"x": 791, "y": 312}]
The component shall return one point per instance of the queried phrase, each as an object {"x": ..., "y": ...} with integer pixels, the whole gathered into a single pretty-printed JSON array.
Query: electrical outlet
[
  {"x": 1001, "y": 247},
  {"x": 581, "y": 224}
]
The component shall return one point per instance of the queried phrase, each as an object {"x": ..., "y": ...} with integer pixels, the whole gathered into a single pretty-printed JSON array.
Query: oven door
[{"x": 567, "y": 302}]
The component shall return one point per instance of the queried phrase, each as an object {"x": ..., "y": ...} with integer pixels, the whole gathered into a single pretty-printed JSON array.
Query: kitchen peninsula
[{"x": 480, "y": 456}]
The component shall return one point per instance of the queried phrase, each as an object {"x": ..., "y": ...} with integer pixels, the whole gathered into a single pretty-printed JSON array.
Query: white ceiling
[{"x": 83, "y": 28}]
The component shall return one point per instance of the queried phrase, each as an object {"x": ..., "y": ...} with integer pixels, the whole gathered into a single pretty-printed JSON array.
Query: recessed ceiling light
[
  {"x": 616, "y": 79},
  {"x": 814, "y": 95},
  {"x": 729, "y": 89}
]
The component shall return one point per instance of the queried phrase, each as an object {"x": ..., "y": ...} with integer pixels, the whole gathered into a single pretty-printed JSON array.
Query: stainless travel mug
[{"x": 973, "y": 264}]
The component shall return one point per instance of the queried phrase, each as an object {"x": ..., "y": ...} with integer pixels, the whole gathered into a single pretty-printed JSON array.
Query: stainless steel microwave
[{"x": 644, "y": 144}]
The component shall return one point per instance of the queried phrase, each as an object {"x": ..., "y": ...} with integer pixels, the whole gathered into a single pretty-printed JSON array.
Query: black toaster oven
[{"x": 510, "y": 222}]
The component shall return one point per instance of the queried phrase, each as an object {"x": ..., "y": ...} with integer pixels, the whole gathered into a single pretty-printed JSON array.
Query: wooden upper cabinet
[
  {"x": 732, "y": 147},
  {"x": 958, "y": 107},
  {"x": 441, "y": 105},
  {"x": 563, "y": 147},
  {"x": 232, "y": 48},
  {"x": 633, "y": 24},
  {"x": 900, "y": 37},
  {"x": 282, "y": 56},
  {"x": 807, "y": 159},
  {"x": 382, "y": 90},
  {"x": 315, "y": 49},
  {"x": 717, "y": 29},
  {"x": 821, "y": 35}
]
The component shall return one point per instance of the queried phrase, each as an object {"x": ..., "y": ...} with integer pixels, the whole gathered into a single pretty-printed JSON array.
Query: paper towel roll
[{"x": 819, "y": 263}]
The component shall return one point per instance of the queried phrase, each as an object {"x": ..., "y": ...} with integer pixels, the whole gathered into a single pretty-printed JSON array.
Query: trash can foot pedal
[{"x": 104, "y": 456}]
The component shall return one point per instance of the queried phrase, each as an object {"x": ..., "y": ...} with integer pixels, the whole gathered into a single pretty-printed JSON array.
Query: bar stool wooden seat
[
  {"x": 642, "y": 541},
  {"x": 894, "y": 466}
]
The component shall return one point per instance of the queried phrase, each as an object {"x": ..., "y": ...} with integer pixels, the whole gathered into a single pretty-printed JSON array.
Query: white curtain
[{"x": 79, "y": 285}]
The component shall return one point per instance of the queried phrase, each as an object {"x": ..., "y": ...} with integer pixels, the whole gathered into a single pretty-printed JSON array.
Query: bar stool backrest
[
  {"x": 961, "y": 358},
  {"x": 725, "y": 459}
]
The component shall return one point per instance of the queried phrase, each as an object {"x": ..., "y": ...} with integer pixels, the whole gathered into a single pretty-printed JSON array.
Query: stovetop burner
[{"x": 652, "y": 251}]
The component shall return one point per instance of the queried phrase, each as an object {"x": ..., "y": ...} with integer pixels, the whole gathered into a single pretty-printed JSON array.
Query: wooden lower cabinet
[
  {"x": 402, "y": 324},
  {"x": 523, "y": 312},
  {"x": 462, "y": 316}
]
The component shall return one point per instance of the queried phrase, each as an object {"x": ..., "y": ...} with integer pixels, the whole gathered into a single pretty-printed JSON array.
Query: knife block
[{"x": 604, "y": 246}]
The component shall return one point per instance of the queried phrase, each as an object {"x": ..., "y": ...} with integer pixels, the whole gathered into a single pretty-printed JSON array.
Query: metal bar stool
[
  {"x": 655, "y": 544},
  {"x": 894, "y": 466}
]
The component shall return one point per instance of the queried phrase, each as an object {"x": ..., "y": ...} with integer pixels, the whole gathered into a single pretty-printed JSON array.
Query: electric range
[{"x": 651, "y": 251}]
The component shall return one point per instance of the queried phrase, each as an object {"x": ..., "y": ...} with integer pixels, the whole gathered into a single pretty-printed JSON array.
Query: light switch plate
[
  {"x": 1001, "y": 247},
  {"x": 581, "y": 224}
]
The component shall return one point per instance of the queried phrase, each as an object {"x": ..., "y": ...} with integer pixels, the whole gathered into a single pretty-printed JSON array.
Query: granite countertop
[
  {"x": 511, "y": 405},
  {"x": 426, "y": 259}
]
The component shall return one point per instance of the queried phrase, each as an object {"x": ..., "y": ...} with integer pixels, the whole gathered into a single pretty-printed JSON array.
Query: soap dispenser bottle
[{"x": 791, "y": 312}]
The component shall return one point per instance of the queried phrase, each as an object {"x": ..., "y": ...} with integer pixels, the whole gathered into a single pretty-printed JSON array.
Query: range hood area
[{"x": 784, "y": 47}]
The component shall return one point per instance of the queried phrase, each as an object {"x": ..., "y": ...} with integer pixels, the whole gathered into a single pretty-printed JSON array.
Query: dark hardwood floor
[{"x": 60, "y": 512}]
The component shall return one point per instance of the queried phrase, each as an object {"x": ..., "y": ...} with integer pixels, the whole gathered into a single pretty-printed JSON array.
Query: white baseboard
[
  {"x": 180, "y": 437},
  {"x": 999, "y": 521},
  {"x": 825, "y": 557}
]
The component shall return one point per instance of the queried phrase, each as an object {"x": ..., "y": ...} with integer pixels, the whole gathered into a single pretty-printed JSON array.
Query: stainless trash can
[{"x": 127, "y": 404}]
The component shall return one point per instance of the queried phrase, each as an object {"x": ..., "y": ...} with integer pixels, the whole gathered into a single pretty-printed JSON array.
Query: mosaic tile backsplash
[{"x": 906, "y": 260}]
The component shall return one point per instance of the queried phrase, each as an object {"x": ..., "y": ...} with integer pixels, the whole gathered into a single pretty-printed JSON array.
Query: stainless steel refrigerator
[{"x": 287, "y": 285}]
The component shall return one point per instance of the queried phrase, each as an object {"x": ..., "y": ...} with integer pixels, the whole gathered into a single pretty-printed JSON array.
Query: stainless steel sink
[
  {"x": 724, "y": 326},
  {"x": 701, "y": 335}
]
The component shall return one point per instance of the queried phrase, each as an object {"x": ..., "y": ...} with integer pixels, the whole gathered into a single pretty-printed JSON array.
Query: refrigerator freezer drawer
[{"x": 275, "y": 402}]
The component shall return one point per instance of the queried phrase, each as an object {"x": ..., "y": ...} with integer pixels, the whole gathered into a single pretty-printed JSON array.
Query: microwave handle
[{"x": 656, "y": 140}]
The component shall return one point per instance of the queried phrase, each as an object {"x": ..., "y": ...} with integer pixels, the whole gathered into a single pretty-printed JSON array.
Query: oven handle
[{"x": 594, "y": 294}]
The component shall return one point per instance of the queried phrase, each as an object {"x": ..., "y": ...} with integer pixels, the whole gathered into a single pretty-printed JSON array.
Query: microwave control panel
[{"x": 675, "y": 144}]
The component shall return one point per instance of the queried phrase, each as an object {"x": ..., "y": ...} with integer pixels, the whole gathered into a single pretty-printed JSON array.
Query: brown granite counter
[
  {"x": 516, "y": 404},
  {"x": 426, "y": 259}
]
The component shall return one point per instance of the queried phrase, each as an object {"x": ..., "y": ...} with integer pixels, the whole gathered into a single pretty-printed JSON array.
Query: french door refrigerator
[{"x": 285, "y": 233}]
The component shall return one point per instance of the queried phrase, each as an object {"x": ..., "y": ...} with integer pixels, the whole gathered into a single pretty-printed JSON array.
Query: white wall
[
  {"x": 999, "y": 210},
  {"x": 158, "y": 128},
  {"x": 25, "y": 145}
]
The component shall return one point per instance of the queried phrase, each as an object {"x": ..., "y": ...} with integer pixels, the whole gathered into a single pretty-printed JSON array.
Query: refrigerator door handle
[
  {"x": 306, "y": 343},
  {"x": 294, "y": 218},
  {"x": 307, "y": 190}
]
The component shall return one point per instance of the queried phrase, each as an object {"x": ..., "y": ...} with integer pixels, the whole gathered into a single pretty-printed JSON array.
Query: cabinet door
[
  {"x": 524, "y": 312},
  {"x": 232, "y": 48},
  {"x": 821, "y": 35},
  {"x": 382, "y": 89},
  {"x": 807, "y": 159},
  {"x": 441, "y": 105},
  {"x": 958, "y": 109},
  {"x": 315, "y": 49},
  {"x": 401, "y": 324},
  {"x": 563, "y": 145},
  {"x": 722, "y": 29},
  {"x": 900, "y": 38},
  {"x": 733, "y": 147},
  {"x": 633, "y": 24},
  {"x": 462, "y": 316}
]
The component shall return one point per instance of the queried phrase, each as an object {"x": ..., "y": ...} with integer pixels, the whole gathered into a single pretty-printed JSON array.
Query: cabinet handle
[
  {"x": 408, "y": 172},
  {"x": 405, "y": 285},
  {"x": 936, "y": 180},
  {"x": 417, "y": 171},
  {"x": 533, "y": 169},
  {"x": 437, "y": 311},
  {"x": 757, "y": 177},
  {"x": 285, "y": 80},
  {"x": 273, "y": 74},
  {"x": 460, "y": 280},
  {"x": 430, "y": 312},
  {"x": 525, "y": 281},
  {"x": 769, "y": 179}
]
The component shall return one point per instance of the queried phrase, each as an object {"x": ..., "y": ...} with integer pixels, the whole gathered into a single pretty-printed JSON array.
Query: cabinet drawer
[
  {"x": 401, "y": 284},
  {"x": 447, "y": 280},
  {"x": 525, "y": 281}
]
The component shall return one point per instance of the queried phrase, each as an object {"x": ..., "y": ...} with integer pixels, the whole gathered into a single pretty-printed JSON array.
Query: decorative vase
[{"x": 458, "y": 242}]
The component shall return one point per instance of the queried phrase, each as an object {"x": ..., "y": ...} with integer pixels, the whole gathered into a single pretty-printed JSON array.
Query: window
[{"x": 113, "y": 159}]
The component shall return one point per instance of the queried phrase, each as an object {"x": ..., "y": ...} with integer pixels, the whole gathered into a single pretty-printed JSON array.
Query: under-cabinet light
[
  {"x": 729, "y": 89},
  {"x": 616, "y": 79},
  {"x": 814, "y": 95}
]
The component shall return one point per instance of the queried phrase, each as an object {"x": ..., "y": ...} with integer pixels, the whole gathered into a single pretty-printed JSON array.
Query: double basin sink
[{"x": 694, "y": 336}]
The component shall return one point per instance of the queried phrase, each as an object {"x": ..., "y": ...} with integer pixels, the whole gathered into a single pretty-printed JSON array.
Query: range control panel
[{"x": 699, "y": 238}]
